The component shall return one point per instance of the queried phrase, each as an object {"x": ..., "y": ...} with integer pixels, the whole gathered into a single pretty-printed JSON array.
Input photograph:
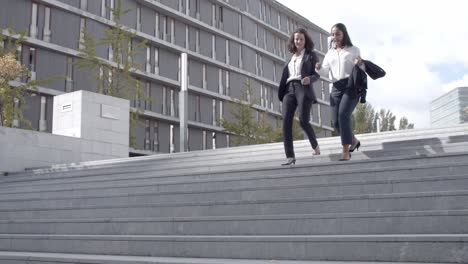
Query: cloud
[
  {"x": 406, "y": 38},
  {"x": 462, "y": 82}
]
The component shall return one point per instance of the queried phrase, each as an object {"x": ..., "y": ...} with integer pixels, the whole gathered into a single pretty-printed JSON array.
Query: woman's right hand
[{"x": 318, "y": 66}]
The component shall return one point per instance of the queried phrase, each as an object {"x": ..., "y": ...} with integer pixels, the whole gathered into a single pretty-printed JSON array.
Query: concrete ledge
[{"x": 23, "y": 149}]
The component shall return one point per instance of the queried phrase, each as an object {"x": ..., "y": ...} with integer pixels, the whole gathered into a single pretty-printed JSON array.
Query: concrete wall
[
  {"x": 22, "y": 149},
  {"x": 102, "y": 119}
]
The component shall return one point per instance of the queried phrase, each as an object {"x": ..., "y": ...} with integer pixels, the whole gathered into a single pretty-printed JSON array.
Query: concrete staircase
[{"x": 402, "y": 198}]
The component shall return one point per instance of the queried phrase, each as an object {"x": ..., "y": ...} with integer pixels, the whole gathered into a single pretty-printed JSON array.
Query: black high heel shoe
[
  {"x": 355, "y": 147},
  {"x": 291, "y": 161}
]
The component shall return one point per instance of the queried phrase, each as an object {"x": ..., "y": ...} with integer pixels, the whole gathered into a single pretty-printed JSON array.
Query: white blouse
[
  {"x": 340, "y": 63},
  {"x": 295, "y": 66}
]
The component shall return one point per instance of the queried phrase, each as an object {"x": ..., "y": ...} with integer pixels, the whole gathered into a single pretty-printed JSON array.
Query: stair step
[
  {"x": 203, "y": 172},
  {"x": 449, "y": 200},
  {"x": 19, "y": 257},
  {"x": 409, "y": 247},
  {"x": 305, "y": 188},
  {"x": 411, "y": 222}
]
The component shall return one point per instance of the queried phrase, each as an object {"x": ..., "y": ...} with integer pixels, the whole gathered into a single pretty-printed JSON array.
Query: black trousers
[
  {"x": 296, "y": 98},
  {"x": 343, "y": 100}
]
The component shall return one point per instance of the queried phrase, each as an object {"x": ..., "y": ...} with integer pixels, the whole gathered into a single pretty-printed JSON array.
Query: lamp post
[{"x": 183, "y": 107}]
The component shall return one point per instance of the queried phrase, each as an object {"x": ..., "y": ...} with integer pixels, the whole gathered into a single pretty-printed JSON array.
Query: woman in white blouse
[
  {"x": 295, "y": 90},
  {"x": 338, "y": 65}
]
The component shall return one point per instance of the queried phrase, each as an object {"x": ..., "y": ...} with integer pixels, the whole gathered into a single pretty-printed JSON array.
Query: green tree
[
  {"x": 363, "y": 118},
  {"x": 404, "y": 124},
  {"x": 387, "y": 120},
  {"x": 115, "y": 78},
  {"x": 247, "y": 127},
  {"x": 13, "y": 98}
]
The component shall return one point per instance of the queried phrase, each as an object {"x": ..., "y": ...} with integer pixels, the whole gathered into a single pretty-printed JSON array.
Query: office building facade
[
  {"x": 450, "y": 108},
  {"x": 229, "y": 43}
]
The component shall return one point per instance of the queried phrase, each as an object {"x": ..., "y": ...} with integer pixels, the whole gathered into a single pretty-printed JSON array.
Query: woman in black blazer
[{"x": 295, "y": 90}]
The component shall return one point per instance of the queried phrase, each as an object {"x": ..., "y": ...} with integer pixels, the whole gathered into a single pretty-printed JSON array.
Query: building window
[
  {"x": 197, "y": 9},
  {"x": 260, "y": 65},
  {"x": 213, "y": 112},
  {"x": 171, "y": 139},
  {"x": 274, "y": 71},
  {"x": 321, "y": 42},
  {"x": 165, "y": 28},
  {"x": 69, "y": 75},
  {"x": 241, "y": 61},
  {"x": 34, "y": 19},
  {"x": 256, "y": 34},
  {"x": 228, "y": 58},
  {"x": 220, "y": 82},
  {"x": 178, "y": 68},
  {"x": 172, "y": 37},
  {"x": 164, "y": 101},
  {"x": 84, "y": 5},
  {"x": 262, "y": 100},
  {"x": 46, "y": 32},
  {"x": 260, "y": 10},
  {"x": 103, "y": 8},
  {"x": 220, "y": 18},
  {"x": 269, "y": 15},
  {"x": 240, "y": 26},
  {"x": 16, "y": 105},
  {"x": 173, "y": 106},
  {"x": 147, "y": 135},
  {"x": 213, "y": 46},
  {"x": 156, "y": 60},
  {"x": 204, "y": 82},
  {"x": 279, "y": 21},
  {"x": 204, "y": 140},
  {"x": 187, "y": 38},
  {"x": 32, "y": 63},
  {"x": 197, "y": 40},
  {"x": 213, "y": 140},
  {"x": 264, "y": 39},
  {"x": 156, "y": 24},
  {"x": 112, "y": 5},
  {"x": 197, "y": 108},
  {"x": 138, "y": 18},
  {"x": 213, "y": 15},
  {"x": 81, "y": 44},
  {"x": 221, "y": 110},
  {"x": 228, "y": 85},
  {"x": 110, "y": 53},
  {"x": 274, "y": 45},
  {"x": 319, "y": 113},
  {"x": 156, "y": 136},
  {"x": 148, "y": 59},
  {"x": 324, "y": 86},
  {"x": 148, "y": 96},
  {"x": 43, "y": 114}
]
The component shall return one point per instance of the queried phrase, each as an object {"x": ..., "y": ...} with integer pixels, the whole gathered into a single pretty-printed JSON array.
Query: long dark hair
[
  {"x": 346, "y": 39},
  {"x": 309, "y": 44}
]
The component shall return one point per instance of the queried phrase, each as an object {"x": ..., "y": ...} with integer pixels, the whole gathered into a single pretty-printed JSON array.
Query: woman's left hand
[
  {"x": 358, "y": 60},
  {"x": 306, "y": 81}
]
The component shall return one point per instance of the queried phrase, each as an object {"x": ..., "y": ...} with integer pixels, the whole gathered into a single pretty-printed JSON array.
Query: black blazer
[
  {"x": 307, "y": 70},
  {"x": 358, "y": 78}
]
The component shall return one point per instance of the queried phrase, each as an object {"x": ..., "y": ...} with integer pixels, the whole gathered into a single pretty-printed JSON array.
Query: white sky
[{"x": 423, "y": 47}]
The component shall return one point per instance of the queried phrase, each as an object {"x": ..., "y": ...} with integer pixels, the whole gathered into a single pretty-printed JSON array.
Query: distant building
[
  {"x": 450, "y": 108},
  {"x": 227, "y": 42}
]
